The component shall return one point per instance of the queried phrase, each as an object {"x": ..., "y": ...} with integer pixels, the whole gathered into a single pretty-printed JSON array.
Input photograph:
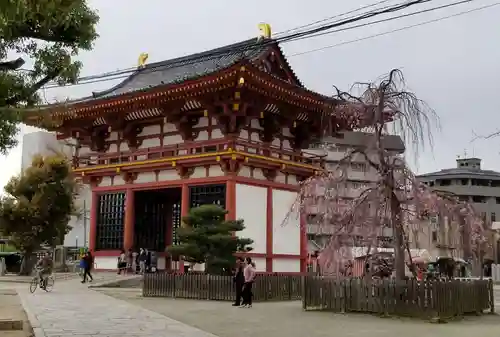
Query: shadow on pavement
[{"x": 280, "y": 319}]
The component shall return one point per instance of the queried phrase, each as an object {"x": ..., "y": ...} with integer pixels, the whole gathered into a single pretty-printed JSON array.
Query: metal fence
[
  {"x": 272, "y": 287},
  {"x": 437, "y": 299}
]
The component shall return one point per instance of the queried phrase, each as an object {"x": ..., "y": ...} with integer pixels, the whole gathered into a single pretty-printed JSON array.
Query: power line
[
  {"x": 232, "y": 49},
  {"x": 132, "y": 69},
  {"x": 390, "y": 19},
  {"x": 196, "y": 58},
  {"x": 395, "y": 30},
  {"x": 331, "y": 17}
]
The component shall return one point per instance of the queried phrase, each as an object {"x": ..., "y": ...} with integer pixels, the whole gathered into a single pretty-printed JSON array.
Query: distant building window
[
  {"x": 465, "y": 181},
  {"x": 497, "y": 200},
  {"x": 444, "y": 182},
  {"x": 493, "y": 217},
  {"x": 358, "y": 167},
  {"x": 434, "y": 236},
  {"x": 478, "y": 199}
]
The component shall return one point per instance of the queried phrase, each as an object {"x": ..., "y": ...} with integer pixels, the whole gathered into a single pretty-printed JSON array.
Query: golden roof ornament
[
  {"x": 143, "y": 57},
  {"x": 265, "y": 31}
]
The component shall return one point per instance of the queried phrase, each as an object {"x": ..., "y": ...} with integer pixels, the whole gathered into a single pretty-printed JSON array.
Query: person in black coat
[{"x": 239, "y": 281}]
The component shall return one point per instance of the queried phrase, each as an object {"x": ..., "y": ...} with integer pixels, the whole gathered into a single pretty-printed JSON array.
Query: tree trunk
[
  {"x": 27, "y": 264},
  {"x": 399, "y": 247}
]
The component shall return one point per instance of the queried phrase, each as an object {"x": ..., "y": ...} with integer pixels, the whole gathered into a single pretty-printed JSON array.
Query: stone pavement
[
  {"x": 72, "y": 309},
  {"x": 286, "y": 319}
]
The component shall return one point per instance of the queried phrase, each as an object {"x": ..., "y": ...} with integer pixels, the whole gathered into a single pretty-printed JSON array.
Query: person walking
[
  {"x": 249, "y": 274},
  {"x": 134, "y": 261},
  {"x": 88, "y": 263},
  {"x": 122, "y": 262},
  {"x": 128, "y": 257},
  {"x": 142, "y": 261},
  {"x": 239, "y": 281}
]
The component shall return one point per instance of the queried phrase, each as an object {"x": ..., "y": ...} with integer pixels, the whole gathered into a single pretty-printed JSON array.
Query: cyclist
[{"x": 45, "y": 265}]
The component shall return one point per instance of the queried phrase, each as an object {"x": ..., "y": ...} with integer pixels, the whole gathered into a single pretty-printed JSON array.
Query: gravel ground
[{"x": 287, "y": 319}]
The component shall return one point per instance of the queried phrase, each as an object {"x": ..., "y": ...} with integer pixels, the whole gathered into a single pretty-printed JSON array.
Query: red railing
[{"x": 194, "y": 148}]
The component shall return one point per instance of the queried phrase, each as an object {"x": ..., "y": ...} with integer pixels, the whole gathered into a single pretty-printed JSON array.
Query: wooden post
[
  {"x": 492, "y": 298},
  {"x": 184, "y": 212},
  {"x": 128, "y": 232},
  {"x": 231, "y": 199},
  {"x": 93, "y": 221}
]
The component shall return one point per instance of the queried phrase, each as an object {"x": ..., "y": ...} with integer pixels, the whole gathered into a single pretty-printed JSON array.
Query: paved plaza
[
  {"x": 286, "y": 319},
  {"x": 72, "y": 309}
]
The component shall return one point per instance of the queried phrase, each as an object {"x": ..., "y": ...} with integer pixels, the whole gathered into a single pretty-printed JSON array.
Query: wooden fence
[
  {"x": 220, "y": 288},
  {"x": 438, "y": 299}
]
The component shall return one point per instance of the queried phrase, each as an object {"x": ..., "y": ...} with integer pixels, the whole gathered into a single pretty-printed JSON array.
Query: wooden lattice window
[
  {"x": 207, "y": 194},
  {"x": 110, "y": 221}
]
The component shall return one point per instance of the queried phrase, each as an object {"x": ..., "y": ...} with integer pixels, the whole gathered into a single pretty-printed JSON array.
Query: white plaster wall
[
  {"x": 245, "y": 172},
  {"x": 150, "y": 130},
  {"x": 144, "y": 177},
  {"x": 244, "y": 134},
  {"x": 165, "y": 175},
  {"x": 260, "y": 263},
  {"x": 173, "y": 139},
  {"x": 281, "y": 178},
  {"x": 124, "y": 145},
  {"x": 169, "y": 127},
  {"x": 251, "y": 206},
  {"x": 255, "y": 124},
  {"x": 199, "y": 172},
  {"x": 112, "y": 148},
  {"x": 113, "y": 135},
  {"x": 149, "y": 142},
  {"x": 118, "y": 180},
  {"x": 286, "y": 132},
  {"x": 286, "y": 237},
  {"x": 106, "y": 181},
  {"x": 202, "y": 122},
  {"x": 215, "y": 171},
  {"x": 216, "y": 134},
  {"x": 258, "y": 174},
  {"x": 106, "y": 262},
  {"x": 202, "y": 135},
  {"x": 84, "y": 150},
  {"x": 286, "y": 266}
]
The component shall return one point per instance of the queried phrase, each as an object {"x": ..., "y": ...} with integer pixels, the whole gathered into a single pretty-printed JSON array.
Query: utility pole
[{"x": 85, "y": 218}]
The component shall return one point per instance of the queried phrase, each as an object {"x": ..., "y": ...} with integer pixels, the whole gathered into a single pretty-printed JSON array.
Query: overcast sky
[{"x": 453, "y": 64}]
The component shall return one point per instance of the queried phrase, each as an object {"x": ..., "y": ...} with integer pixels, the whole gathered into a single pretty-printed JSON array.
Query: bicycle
[{"x": 36, "y": 281}]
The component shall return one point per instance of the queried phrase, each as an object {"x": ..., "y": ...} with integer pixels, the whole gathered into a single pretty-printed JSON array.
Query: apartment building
[
  {"x": 360, "y": 174},
  {"x": 46, "y": 143},
  {"x": 475, "y": 185}
]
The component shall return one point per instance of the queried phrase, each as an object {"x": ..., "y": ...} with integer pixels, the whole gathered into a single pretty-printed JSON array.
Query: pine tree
[{"x": 207, "y": 237}]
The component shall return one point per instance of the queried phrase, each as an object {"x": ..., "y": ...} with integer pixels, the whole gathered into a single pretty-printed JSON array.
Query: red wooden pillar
[
  {"x": 269, "y": 231},
  {"x": 184, "y": 212},
  {"x": 94, "y": 207},
  {"x": 128, "y": 232},
  {"x": 303, "y": 243},
  {"x": 169, "y": 237},
  {"x": 231, "y": 199}
]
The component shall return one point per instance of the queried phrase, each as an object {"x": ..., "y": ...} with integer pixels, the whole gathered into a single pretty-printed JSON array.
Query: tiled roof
[
  {"x": 187, "y": 67},
  {"x": 364, "y": 139},
  {"x": 463, "y": 172}
]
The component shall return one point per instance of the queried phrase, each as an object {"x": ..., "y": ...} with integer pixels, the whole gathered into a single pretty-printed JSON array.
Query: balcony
[{"x": 202, "y": 152}]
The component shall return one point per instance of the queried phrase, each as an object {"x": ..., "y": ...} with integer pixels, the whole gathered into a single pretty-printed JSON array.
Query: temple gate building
[{"x": 224, "y": 126}]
